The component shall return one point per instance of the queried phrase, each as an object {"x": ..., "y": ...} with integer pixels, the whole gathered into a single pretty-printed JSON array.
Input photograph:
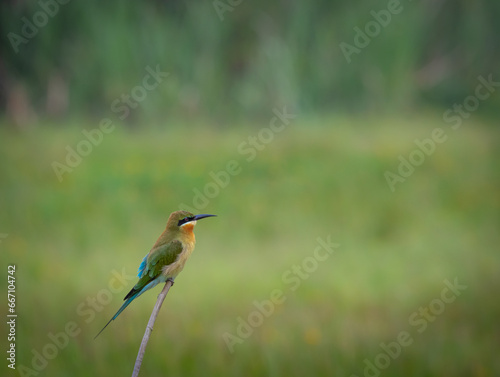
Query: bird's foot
[{"x": 171, "y": 280}]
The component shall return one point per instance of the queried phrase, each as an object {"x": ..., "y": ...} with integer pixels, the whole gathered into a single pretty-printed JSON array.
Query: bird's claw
[{"x": 171, "y": 280}]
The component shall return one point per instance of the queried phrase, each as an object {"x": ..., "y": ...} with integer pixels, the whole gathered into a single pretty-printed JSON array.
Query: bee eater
[{"x": 167, "y": 257}]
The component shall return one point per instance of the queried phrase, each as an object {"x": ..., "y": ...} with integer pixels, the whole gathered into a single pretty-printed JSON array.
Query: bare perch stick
[{"x": 149, "y": 327}]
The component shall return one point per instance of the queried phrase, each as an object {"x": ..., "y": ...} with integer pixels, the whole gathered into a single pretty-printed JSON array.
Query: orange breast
[
  {"x": 188, "y": 233},
  {"x": 188, "y": 228}
]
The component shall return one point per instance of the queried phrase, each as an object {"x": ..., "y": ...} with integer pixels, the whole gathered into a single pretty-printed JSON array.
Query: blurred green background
[{"x": 113, "y": 115}]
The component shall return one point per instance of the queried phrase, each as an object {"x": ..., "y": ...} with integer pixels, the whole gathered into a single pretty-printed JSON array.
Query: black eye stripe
[{"x": 185, "y": 220}]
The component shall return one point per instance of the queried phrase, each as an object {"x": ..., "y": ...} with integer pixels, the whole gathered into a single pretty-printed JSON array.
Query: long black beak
[{"x": 199, "y": 217}]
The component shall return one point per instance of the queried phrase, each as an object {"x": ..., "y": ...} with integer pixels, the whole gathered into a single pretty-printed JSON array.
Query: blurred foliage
[
  {"x": 313, "y": 180},
  {"x": 322, "y": 175},
  {"x": 252, "y": 54}
]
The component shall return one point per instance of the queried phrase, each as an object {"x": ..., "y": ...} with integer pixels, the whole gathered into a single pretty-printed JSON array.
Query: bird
[{"x": 167, "y": 257}]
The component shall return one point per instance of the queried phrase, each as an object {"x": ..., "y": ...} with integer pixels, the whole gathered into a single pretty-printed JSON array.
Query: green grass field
[{"x": 339, "y": 313}]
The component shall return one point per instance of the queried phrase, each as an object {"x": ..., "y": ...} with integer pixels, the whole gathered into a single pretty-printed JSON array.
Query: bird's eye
[{"x": 183, "y": 221}]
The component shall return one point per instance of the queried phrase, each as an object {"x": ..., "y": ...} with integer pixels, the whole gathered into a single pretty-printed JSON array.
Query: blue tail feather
[
  {"x": 129, "y": 300},
  {"x": 122, "y": 308}
]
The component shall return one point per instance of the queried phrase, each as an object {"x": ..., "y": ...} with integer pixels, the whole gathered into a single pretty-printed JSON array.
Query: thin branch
[{"x": 149, "y": 327}]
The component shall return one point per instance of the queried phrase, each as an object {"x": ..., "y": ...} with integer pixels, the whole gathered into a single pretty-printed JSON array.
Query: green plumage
[
  {"x": 158, "y": 258},
  {"x": 167, "y": 257}
]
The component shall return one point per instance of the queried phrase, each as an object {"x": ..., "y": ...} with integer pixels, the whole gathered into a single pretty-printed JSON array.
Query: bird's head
[{"x": 184, "y": 220}]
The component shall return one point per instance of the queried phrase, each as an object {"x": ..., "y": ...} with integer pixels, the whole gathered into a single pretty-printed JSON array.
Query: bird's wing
[
  {"x": 142, "y": 268},
  {"x": 149, "y": 271},
  {"x": 152, "y": 264},
  {"x": 163, "y": 256}
]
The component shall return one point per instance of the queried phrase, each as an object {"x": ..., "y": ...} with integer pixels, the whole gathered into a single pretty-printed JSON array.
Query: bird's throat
[{"x": 188, "y": 229}]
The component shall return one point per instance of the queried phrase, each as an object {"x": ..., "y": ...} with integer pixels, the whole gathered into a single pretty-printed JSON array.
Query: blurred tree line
[{"x": 228, "y": 58}]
